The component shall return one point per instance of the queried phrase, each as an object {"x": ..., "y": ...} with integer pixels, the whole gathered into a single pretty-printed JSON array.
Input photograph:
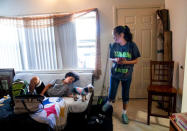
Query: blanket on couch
[{"x": 53, "y": 112}]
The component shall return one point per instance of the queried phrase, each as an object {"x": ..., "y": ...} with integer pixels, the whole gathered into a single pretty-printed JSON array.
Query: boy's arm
[
  {"x": 71, "y": 95},
  {"x": 45, "y": 89},
  {"x": 71, "y": 92}
]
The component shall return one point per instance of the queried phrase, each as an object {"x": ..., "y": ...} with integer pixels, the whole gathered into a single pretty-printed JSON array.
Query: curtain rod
[{"x": 54, "y": 13}]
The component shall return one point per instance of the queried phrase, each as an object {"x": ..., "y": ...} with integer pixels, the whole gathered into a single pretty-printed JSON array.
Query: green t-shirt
[{"x": 129, "y": 51}]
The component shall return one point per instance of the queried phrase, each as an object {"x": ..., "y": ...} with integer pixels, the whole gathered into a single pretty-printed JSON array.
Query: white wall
[
  {"x": 178, "y": 25},
  {"x": 184, "y": 96},
  {"x": 26, "y": 7}
]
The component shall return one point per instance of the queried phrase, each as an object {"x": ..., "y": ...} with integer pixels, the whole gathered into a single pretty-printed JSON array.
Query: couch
[{"x": 74, "y": 108}]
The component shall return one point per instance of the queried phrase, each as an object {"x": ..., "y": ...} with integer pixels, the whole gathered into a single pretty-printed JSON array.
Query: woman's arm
[
  {"x": 45, "y": 89},
  {"x": 128, "y": 62}
]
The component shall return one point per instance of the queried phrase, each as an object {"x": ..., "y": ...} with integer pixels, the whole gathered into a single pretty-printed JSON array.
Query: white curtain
[
  {"x": 66, "y": 45},
  {"x": 36, "y": 47},
  {"x": 10, "y": 56},
  {"x": 40, "y": 46}
]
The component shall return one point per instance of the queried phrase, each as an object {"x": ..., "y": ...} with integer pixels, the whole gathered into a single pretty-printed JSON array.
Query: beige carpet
[{"x": 137, "y": 113}]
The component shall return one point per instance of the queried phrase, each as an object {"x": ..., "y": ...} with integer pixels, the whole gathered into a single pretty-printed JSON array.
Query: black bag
[
  {"x": 95, "y": 123},
  {"x": 101, "y": 100},
  {"x": 19, "y": 87},
  {"x": 100, "y": 122},
  {"x": 28, "y": 104}
]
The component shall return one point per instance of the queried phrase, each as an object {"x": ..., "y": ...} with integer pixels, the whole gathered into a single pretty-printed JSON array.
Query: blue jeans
[{"x": 125, "y": 89}]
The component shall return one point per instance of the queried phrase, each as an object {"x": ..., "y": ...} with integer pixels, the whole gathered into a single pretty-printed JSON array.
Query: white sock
[
  {"x": 109, "y": 103},
  {"x": 124, "y": 111}
]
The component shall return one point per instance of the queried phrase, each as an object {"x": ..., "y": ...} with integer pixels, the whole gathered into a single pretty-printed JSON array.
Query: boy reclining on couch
[{"x": 55, "y": 88}]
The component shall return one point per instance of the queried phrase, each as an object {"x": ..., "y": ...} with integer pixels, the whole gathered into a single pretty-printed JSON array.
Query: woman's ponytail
[{"x": 124, "y": 29}]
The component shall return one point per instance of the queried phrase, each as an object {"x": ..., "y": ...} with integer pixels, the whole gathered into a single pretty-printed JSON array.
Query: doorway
[{"x": 142, "y": 23}]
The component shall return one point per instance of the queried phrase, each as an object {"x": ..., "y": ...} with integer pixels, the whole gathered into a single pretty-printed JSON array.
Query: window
[
  {"x": 9, "y": 46},
  {"x": 86, "y": 40},
  {"x": 26, "y": 48},
  {"x": 45, "y": 46}
]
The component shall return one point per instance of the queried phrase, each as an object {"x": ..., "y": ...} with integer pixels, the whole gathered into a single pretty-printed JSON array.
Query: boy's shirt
[
  {"x": 38, "y": 89},
  {"x": 59, "y": 89}
]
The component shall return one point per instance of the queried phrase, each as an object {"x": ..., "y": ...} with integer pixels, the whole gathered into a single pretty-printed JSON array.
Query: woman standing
[{"x": 124, "y": 54}]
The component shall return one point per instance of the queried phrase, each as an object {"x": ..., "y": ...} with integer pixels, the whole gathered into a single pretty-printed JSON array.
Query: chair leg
[
  {"x": 174, "y": 103},
  {"x": 149, "y": 108},
  {"x": 169, "y": 105},
  {"x": 162, "y": 102}
]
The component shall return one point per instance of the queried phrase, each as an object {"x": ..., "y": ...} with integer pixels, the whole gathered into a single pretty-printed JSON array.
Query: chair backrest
[{"x": 161, "y": 72}]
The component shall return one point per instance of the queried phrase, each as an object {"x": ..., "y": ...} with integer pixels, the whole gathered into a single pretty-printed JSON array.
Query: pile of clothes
[
  {"x": 5, "y": 108},
  {"x": 181, "y": 120}
]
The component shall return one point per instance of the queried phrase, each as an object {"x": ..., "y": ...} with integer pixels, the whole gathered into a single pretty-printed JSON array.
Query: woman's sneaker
[
  {"x": 125, "y": 119},
  {"x": 106, "y": 106}
]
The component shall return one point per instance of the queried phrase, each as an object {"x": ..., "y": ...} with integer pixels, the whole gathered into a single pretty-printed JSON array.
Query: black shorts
[{"x": 40, "y": 88}]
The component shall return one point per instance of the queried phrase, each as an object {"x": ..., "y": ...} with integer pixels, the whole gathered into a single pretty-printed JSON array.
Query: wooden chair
[{"x": 161, "y": 76}]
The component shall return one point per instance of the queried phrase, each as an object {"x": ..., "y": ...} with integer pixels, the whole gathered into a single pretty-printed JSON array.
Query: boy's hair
[{"x": 72, "y": 74}]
